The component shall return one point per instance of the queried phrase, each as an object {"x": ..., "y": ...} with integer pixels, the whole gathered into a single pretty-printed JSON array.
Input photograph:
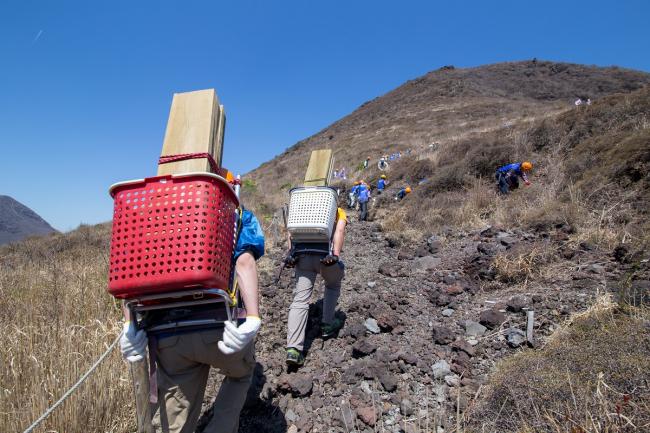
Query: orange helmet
[
  {"x": 230, "y": 177},
  {"x": 357, "y": 182},
  {"x": 408, "y": 189},
  {"x": 526, "y": 166}
]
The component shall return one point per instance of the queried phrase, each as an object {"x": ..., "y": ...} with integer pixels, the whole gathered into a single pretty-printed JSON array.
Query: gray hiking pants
[
  {"x": 306, "y": 270},
  {"x": 184, "y": 362}
]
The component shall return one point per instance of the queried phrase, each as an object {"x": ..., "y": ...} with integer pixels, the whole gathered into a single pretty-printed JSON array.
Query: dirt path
[{"x": 430, "y": 353}]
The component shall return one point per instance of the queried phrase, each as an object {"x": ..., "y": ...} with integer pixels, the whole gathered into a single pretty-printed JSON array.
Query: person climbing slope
[
  {"x": 363, "y": 195},
  {"x": 352, "y": 196},
  {"x": 508, "y": 176},
  {"x": 185, "y": 351},
  {"x": 309, "y": 261},
  {"x": 403, "y": 193},
  {"x": 381, "y": 184}
]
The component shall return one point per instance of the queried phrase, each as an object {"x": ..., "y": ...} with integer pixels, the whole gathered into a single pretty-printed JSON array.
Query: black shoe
[{"x": 330, "y": 329}]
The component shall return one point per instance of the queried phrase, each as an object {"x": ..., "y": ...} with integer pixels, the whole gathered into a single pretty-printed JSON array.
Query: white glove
[
  {"x": 133, "y": 343},
  {"x": 235, "y": 339}
]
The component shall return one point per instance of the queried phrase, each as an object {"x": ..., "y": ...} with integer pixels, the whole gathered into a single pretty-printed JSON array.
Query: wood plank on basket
[
  {"x": 319, "y": 169},
  {"x": 195, "y": 125}
]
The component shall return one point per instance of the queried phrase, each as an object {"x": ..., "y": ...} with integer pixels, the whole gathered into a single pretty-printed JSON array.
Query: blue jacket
[
  {"x": 251, "y": 237},
  {"x": 515, "y": 166},
  {"x": 381, "y": 184},
  {"x": 364, "y": 193},
  {"x": 355, "y": 189}
]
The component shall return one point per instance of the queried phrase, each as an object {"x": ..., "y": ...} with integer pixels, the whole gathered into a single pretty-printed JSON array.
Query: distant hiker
[
  {"x": 588, "y": 101},
  {"x": 352, "y": 196},
  {"x": 578, "y": 102},
  {"x": 342, "y": 173},
  {"x": 381, "y": 184},
  {"x": 335, "y": 174},
  {"x": 366, "y": 163},
  {"x": 403, "y": 193},
  {"x": 508, "y": 176},
  {"x": 382, "y": 164},
  {"x": 323, "y": 259},
  {"x": 363, "y": 196},
  {"x": 184, "y": 353}
]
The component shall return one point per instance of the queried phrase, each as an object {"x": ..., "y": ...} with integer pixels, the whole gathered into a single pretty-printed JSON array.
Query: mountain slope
[
  {"x": 17, "y": 221},
  {"x": 441, "y": 107}
]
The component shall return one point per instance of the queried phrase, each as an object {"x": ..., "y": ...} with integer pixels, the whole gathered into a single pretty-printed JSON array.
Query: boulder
[
  {"x": 372, "y": 326},
  {"x": 440, "y": 369},
  {"x": 492, "y": 318},
  {"x": 517, "y": 303},
  {"x": 443, "y": 335},
  {"x": 474, "y": 329},
  {"x": 515, "y": 337}
]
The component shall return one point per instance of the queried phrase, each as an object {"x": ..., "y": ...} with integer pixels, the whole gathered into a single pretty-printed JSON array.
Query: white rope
[{"x": 75, "y": 386}]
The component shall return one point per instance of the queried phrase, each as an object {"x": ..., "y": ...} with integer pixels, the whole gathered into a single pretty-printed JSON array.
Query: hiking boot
[
  {"x": 330, "y": 329},
  {"x": 294, "y": 357}
]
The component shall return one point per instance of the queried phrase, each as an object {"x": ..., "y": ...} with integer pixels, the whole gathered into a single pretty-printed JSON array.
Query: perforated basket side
[
  {"x": 171, "y": 233},
  {"x": 312, "y": 213}
]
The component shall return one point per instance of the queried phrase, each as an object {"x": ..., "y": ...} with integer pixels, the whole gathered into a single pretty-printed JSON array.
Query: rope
[
  {"x": 74, "y": 387},
  {"x": 184, "y": 156}
]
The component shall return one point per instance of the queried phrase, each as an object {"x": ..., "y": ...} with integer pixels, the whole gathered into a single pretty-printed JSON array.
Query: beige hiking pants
[
  {"x": 184, "y": 362},
  {"x": 306, "y": 270}
]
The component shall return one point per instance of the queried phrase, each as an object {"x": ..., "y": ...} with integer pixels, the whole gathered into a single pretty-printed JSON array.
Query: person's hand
[
  {"x": 290, "y": 261},
  {"x": 527, "y": 183},
  {"x": 330, "y": 259},
  {"x": 236, "y": 338},
  {"x": 133, "y": 343}
]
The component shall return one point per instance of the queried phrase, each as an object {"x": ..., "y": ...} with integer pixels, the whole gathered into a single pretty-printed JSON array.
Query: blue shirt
[
  {"x": 381, "y": 184},
  {"x": 515, "y": 166},
  {"x": 364, "y": 193},
  {"x": 355, "y": 189}
]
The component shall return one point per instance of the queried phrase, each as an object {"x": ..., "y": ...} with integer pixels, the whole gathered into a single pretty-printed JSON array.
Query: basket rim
[
  {"x": 113, "y": 187},
  {"x": 295, "y": 188}
]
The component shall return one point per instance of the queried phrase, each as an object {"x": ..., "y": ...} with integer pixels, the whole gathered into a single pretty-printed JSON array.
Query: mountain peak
[{"x": 17, "y": 221}]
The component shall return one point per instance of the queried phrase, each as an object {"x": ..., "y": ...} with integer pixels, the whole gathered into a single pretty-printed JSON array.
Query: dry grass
[
  {"x": 56, "y": 319},
  {"x": 591, "y": 377}
]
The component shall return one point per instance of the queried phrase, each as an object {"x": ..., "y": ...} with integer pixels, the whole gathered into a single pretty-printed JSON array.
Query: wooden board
[
  {"x": 221, "y": 129},
  {"x": 193, "y": 127},
  {"x": 319, "y": 169}
]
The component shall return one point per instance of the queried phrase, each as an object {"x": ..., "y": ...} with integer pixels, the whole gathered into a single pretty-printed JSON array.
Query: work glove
[
  {"x": 290, "y": 261},
  {"x": 236, "y": 338},
  {"x": 133, "y": 343},
  {"x": 330, "y": 259}
]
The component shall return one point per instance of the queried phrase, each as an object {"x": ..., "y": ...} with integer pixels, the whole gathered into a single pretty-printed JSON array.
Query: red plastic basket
[{"x": 171, "y": 233}]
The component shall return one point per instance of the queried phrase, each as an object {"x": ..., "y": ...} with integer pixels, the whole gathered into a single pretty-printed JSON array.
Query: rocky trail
[{"x": 424, "y": 325}]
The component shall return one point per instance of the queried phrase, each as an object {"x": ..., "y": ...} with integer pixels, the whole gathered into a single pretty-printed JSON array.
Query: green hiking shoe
[
  {"x": 330, "y": 329},
  {"x": 294, "y": 357}
]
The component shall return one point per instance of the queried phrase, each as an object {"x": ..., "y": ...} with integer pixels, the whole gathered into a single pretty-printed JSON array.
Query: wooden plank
[
  {"x": 140, "y": 377},
  {"x": 320, "y": 168},
  {"x": 217, "y": 153},
  {"x": 192, "y": 127}
]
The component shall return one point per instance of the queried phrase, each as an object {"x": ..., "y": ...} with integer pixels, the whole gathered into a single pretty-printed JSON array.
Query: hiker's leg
[
  {"x": 503, "y": 184},
  {"x": 299, "y": 309},
  {"x": 238, "y": 371},
  {"x": 181, "y": 385},
  {"x": 332, "y": 275}
]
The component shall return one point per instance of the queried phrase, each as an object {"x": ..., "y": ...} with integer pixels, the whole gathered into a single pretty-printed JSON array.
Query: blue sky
[{"x": 85, "y": 87}]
